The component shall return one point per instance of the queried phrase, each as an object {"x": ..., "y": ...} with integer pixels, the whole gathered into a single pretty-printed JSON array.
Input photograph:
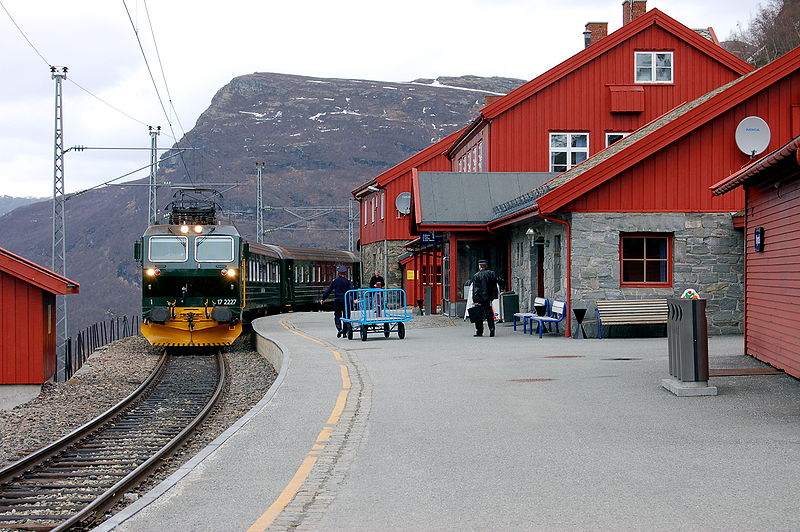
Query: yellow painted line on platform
[
  {"x": 300, "y": 476},
  {"x": 325, "y": 434},
  {"x": 345, "y": 377},
  {"x": 338, "y": 409},
  {"x": 286, "y": 496}
]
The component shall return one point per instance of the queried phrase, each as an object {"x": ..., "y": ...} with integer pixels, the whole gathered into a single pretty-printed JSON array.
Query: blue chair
[
  {"x": 526, "y": 316},
  {"x": 558, "y": 311}
]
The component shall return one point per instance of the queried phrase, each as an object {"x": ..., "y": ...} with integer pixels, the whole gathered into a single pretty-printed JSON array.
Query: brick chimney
[
  {"x": 594, "y": 32},
  {"x": 633, "y": 9}
]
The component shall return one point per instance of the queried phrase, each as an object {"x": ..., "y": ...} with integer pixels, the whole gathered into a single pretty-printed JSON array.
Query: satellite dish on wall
[
  {"x": 403, "y": 202},
  {"x": 752, "y": 136}
]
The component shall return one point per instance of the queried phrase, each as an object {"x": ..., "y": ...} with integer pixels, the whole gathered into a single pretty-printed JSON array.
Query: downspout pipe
[{"x": 568, "y": 320}]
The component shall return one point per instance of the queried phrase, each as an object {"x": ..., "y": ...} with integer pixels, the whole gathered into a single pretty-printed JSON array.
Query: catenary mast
[{"x": 59, "y": 224}]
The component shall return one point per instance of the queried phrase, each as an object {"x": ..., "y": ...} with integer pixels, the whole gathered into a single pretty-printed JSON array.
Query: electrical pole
[
  {"x": 152, "y": 210},
  {"x": 59, "y": 256},
  {"x": 259, "y": 206}
]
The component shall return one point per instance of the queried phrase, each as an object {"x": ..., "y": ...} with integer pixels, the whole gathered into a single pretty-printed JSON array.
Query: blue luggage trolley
[{"x": 375, "y": 310}]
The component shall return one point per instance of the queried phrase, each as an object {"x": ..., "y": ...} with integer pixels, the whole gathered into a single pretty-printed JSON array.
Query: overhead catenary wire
[
  {"x": 23, "y": 35},
  {"x": 155, "y": 85},
  {"x": 161, "y": 66},
  {"x": 111, "y": 181},
  {"x": 70, "y": 79}
]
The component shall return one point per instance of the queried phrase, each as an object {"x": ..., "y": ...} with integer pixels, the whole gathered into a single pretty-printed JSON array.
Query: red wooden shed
[
  {"x": 772, "y": 255},
  {"x": 27, "y": 319}
]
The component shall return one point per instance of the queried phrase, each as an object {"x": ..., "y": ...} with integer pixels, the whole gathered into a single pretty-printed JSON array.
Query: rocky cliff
[{"x": 319, "y": 138}]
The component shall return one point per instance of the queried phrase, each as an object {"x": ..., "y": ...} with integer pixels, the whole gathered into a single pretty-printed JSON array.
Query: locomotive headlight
[
  {"x": 228, "y": 272},
  {"x": 198, "y": 229},
  {"x": 152, "y": 272},
  {"x": 185, "y": 229}
]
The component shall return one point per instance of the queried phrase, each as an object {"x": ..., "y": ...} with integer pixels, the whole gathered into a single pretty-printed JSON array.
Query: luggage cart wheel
[
  {"x": 348, "y": 331},
  {"x": 363, "y": 330},
  {"x": 401, "y": 330},
  {"x": 386, "y": 330}
]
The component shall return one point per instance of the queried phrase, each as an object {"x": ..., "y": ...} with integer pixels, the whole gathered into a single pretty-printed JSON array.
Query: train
[{"x": 202, "y": 282}]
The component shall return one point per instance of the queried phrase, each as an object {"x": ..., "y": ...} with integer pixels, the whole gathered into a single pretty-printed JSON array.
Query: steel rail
[
  {"x": 15, "y": 469},
  {"x": 91, "y": 512}
]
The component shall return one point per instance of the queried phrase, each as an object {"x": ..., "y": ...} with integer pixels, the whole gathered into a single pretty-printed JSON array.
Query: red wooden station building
[
  {"x": 27, "y": 319},
  {"x": 594, "y": 194}
]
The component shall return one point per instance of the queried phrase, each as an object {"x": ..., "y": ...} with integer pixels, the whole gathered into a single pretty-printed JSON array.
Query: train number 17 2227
[{"x": 226, "y": 301}]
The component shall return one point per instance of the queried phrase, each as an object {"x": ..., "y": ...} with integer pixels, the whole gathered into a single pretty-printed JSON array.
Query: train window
[
  {"x": 213, "y": 249},
  {"x": 168, "y": 249}
]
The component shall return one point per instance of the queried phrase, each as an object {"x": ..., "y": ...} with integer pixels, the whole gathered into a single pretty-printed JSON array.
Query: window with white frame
[
  {"x": 611, "y": 138},
  {"x": 653, "y": 67},
  {"x": 365, "y": 202},
  {"x": 383, "y": 204},
  {"x": 568, "y": 150}
]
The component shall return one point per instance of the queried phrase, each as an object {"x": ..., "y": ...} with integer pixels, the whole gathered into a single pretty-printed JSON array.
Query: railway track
[{"x": 71, "y": 482}]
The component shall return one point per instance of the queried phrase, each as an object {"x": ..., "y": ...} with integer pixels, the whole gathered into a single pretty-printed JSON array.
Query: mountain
[
  {"x": 8, "y": 204},
  {"x": 318, "y": 139}
]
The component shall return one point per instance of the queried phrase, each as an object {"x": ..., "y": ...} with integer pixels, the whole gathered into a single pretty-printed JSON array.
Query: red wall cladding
[
  {"x": 678, "y": 178},
  {"x": 772, "y": 277},
  {"x": 519, "y": 140},
  {"x": 27, "y": 332}
]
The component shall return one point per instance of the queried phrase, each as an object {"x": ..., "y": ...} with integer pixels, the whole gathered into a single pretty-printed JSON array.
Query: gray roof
[{"x": 469, "y": 198}]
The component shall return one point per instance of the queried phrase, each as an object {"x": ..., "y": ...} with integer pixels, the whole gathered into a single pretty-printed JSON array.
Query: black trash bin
[
  {"x": 687, "y": 338},
  {"x": 509, "y": 305}
]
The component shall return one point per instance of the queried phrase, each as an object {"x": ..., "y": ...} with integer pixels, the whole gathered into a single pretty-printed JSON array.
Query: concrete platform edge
[{"x": 278, "y": 355}]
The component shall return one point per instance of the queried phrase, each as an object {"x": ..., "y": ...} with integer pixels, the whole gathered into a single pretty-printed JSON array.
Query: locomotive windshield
[
  {"x": 168, "y": 249},
  {"x": 214, "y": 249}
]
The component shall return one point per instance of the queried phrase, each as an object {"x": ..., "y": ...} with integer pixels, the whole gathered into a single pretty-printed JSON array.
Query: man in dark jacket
[
  {"x": 339, "y": 287},
  {"x": 484, "y": 291},
  {"x": 376, "y": 281}
]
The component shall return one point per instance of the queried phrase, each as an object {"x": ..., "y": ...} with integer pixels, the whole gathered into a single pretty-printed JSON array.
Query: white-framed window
[
  {"x": 611, "y": 138},
  {"x": 366, "y": 202},
  {"x": 383, "y": 208},
  {"x": 568, "y": 150},
  {"x": 213, "y": 249},
  {"x": 653, "y": 67},
  {"x": 168, "y": 249}
]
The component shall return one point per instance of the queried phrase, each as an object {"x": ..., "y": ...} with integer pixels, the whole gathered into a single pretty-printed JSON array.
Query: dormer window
[{"x": 653, "y": 67}]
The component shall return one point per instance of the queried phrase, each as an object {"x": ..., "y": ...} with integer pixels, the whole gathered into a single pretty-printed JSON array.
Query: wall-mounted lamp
[{"x": 373, "y": 188}]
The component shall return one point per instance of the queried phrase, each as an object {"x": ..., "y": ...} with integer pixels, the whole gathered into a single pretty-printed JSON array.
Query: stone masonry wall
[
  {"x": 707, "y": 256},
  {"x": 382, "y": 256}
]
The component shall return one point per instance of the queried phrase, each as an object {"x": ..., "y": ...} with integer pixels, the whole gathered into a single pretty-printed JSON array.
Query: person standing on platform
[
  {"x": 339, "y": 287},
  {"x": 484, "y": 291},
  {"x": 376, "y": 281}
]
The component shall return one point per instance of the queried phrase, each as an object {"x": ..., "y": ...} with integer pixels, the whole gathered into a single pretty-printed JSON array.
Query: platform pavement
[{"x": 443, "y": 431}]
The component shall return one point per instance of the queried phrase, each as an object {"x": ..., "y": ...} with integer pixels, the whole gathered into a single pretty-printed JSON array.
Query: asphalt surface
[{"x": 443, "y": 431}]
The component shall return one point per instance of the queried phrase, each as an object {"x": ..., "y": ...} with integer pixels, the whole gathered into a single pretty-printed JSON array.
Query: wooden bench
[{"x": 630, "y": 312}]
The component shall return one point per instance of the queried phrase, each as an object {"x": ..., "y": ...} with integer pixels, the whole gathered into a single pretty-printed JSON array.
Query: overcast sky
[{"x": 204, "y": 44}]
